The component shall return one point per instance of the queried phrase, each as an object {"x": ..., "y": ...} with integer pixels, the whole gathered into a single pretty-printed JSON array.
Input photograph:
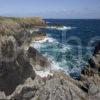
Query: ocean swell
[{"x": 49, "y": 48}]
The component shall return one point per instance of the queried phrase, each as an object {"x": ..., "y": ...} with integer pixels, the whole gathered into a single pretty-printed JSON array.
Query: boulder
[{"x": 38, "y": 59}]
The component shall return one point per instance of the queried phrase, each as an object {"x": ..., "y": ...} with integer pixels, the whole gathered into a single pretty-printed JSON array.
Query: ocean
[{"x": 71, "y": 44}]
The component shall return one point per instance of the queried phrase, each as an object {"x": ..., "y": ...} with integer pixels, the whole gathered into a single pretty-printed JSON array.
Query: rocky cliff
[
  {"x": 18, "y": 80},
  {"x": 62, "y": 87},
  {"x": 14, "y": 67}
]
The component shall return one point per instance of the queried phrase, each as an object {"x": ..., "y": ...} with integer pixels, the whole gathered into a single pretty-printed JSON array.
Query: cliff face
[{"x": 14, "y": 67}]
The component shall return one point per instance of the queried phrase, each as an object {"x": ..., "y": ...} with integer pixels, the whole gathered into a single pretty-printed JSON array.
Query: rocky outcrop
[
  {"x": 53, "y": 88},
  {"x": 19, "y": 82},
  {"x": 38, "y": 60},
  {"x": 14, "y": 67},
  {"x": 22, "y": 36},
  {"x": 38, "y": 36},
  {"x": 91, "y": 76},
  {"x": 93, "y": 66}
]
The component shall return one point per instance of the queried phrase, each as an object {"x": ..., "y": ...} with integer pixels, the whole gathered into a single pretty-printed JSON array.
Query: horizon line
[{"x": 47, "y": 17}]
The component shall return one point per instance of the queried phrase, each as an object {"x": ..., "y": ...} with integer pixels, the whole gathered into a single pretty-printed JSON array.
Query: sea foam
[
  {"x": 39, "y": 44},
  {"x": 55, "y": 66}
]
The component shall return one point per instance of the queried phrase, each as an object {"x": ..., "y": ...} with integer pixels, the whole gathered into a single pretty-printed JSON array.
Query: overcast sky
[{"x": 51, "y": 8}]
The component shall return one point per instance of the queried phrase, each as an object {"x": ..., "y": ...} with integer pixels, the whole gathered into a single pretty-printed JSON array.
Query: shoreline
[{"x": 20, "y": 81}]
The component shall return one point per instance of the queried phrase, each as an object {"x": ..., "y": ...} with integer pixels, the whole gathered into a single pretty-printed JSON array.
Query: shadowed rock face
[
  {"x": 8, "y": 49},
  {"x": 97, "y": 49},
  {"x": 38, "y": 58},
  {"x": 22, "y": 36},
  {"x": 14, "y": 67}
]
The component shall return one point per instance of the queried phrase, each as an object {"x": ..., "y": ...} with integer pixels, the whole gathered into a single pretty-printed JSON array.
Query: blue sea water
[{"x": 70, "y": 47}]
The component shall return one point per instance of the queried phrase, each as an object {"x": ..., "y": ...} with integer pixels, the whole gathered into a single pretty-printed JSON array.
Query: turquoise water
[{"x": 70, "y": 47}]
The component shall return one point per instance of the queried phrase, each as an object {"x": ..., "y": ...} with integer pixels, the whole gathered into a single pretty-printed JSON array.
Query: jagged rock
[
  {"x": 51, "y": 89},
  {"x": 17, "y": 74},
  {"x": 38, "y": 36},
  {"x": 93, "y": 63},
  {"x": 90, "y": 76},
  {"x": 14, "y": 65},
  {"x": 97, "y": 49},
  {"x": 22, "y": 36},
  {"x": 8, "y": 49},
  {"x": 38, "y": 59}
]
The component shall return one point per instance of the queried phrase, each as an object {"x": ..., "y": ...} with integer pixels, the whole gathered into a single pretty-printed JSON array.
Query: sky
[{"x": 68, "y": 9}]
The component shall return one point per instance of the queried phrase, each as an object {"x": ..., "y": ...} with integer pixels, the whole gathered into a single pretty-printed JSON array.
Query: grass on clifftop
[{"x": 12, "y": 24}]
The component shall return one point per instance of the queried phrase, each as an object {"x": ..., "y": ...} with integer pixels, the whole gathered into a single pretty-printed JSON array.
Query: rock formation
[
  {"x": 38, "y": 60},
  {"x": 54, "y": 88},
  {"x": 14, "y": 67},
  {"x": 91, "y": 75},
  {"x": 38, "y": 36},
  {"x": 18, "y": 81}
]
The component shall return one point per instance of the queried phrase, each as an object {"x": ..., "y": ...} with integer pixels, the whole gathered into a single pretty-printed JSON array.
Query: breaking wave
[{"x": 62, "y": 28}]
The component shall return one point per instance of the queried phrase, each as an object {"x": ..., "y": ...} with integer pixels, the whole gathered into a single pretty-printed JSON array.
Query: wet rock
[{"x": 38, "y": 59}]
